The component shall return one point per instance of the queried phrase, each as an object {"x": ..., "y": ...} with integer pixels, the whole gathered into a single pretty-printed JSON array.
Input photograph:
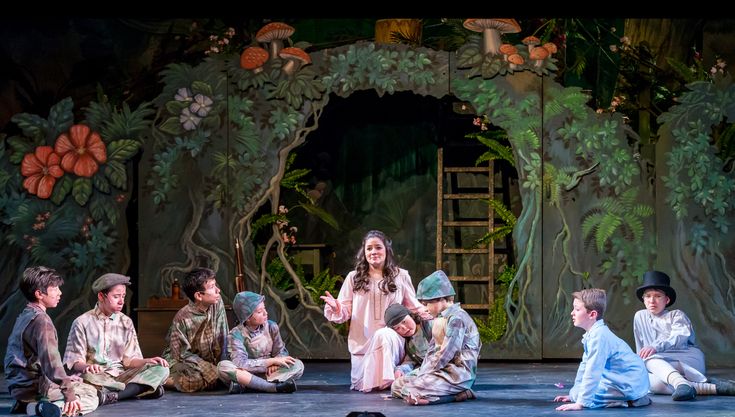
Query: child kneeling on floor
[{"x": 610, "y": 374}]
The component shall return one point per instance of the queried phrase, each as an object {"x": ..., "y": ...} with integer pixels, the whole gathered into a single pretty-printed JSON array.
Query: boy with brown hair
[
  {"x": 33, "y": 368},
  {"x": 610, "y": 374},
  {"x": 197, "y": 338},
  {"x": 103, "y": 348}
]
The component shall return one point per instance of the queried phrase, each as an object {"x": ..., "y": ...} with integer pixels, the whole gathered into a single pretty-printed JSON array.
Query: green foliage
[
  {"x": 696, "y": 176},
  {"x": 611, "y": 215},
  {"x": 496, "y": 150},
  {"x": 495, "y": 325},
  {"x": 321, "y": 282},
  {"x": 303, "y": 84},
  {"x": 500, "y": 230},
  {"x": 628, "y": 260},
  {"x": 279, "y": 276}
]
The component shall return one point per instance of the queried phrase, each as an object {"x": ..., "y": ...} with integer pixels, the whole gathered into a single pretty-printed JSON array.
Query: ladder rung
[
  {"x": 466, "y": 169},
  {"x": 467, "y": 223},
  {"x": 465, "y": 196},
  {"x": 460, "y": 251},
  {"x": 470, "y": 278},
  {"x": 476, "y": 306}
]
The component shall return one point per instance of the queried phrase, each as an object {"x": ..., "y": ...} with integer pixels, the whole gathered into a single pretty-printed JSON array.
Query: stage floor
[{"x": 504, "y": 389}]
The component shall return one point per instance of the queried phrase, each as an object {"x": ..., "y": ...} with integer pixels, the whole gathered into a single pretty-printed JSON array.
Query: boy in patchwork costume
[
  {"x": 197, "y": 338},
  {"x": 257, "y": 351},
  {"x": 450, "y": 367}
]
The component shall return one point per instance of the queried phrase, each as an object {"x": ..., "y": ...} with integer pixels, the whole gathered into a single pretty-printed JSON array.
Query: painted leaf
[
  {"x": 172, "y": 126},
  {"x": 61, "y": 190},
  {"x": 200, "y": 87},
  {"x": 96, "y": 208},
  {"x": 20, "y": 147},
  {"x": 122, "y": 150},
  {"x": 175, "y": 106},
  {"x": 33, "y": 126},
  {"x": 82, "y": 190},
  {"x": 115, "y": 172},
  {"x": 60, "y": 117},
  {"x": 101, "y": 183}
]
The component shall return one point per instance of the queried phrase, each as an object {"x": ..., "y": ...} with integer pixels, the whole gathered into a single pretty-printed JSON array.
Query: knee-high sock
[{"x": 260, "y": 384}]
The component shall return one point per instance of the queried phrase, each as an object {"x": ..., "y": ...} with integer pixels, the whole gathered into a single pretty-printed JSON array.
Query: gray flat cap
[{"x": 109, "y": 280}]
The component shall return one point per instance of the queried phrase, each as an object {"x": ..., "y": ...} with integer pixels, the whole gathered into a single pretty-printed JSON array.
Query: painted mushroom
[
  {"x": 531, "y": 41},
  {"x": 507, "y": 49},
  {"x": 294, "y": 56},
  {"x": 253, "y": 58},
  {"x": 275, "y": 33},
  {"x": 515, "y": 60},
  {"x": 538, "y": 55},
  {"x": 491, "y": 30}
]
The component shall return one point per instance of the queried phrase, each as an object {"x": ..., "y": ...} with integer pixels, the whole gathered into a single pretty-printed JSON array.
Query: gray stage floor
[{"x": 504, "y": 389}]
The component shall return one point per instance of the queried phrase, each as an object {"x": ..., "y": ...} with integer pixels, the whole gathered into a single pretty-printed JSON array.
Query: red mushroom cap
[
  {"x": 274, "y": 30},
  {"x": 253, "y": 57},
  {"x": 296, "y": 53}
]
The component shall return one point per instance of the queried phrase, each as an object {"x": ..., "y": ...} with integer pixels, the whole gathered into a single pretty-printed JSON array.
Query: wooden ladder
[{"x": 454, "y": 257}]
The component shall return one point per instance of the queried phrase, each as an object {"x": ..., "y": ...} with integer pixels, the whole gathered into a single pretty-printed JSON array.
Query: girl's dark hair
[
  {"x": 194, "y": 281},
  {"x": 39, "y": 278},
  {"x": 362, "y": 267}
]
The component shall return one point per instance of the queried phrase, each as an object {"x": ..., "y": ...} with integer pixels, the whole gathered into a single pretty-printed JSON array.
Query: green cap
[
  {"x": 109, "y": 280},
  {"x": 245, "y": 303},
  {"x": 436, "y": 285},
  {"x": 394, "y": 314}
]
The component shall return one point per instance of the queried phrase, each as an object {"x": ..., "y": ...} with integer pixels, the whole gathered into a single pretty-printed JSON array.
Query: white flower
[
  {"x": 188, "y": 120},
  {"x": 201, "y": 105},
  {"x": 183, "y": 94}
]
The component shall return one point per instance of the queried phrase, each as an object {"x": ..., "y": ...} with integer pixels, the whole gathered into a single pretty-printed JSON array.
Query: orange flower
[
  {"x": 42, "y": 169},
  {"x": 82, "y": 151}
]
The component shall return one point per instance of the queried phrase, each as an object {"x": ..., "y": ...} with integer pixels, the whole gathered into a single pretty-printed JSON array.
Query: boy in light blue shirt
[{"x": 610, "y": 374}]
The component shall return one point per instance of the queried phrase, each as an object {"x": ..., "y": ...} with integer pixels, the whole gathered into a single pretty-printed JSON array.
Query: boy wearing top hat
[
  {"x": 665, "y": 340},
  {"x": 103, "y": 348},
  {"x": 449, "y": 368}
]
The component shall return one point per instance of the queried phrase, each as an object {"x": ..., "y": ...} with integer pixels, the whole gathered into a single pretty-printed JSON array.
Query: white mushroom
[{"x": 491, "y": 30}]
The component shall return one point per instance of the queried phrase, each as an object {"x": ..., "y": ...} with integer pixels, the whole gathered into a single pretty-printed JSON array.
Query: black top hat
[{"x": 659, "y": 281}]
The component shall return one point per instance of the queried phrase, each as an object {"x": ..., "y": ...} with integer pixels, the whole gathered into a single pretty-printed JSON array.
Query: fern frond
[{"x": 606, "y": 229}]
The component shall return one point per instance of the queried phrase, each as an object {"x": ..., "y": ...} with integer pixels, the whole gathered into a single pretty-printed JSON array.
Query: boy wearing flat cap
[
  {"x": 103, "y": 347},
  {"x": 449, "y": 369},
  {"x": 417, "y": 332},
  {"x": 665, "y": 340},
  {"x": 197, "y": 338},
  {"x": 257, "y": 351}
]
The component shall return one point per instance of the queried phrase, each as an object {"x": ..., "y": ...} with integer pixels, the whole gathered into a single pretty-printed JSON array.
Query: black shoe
[
  {"x": 158, "y": 393},
  {"x": 235, "y": 388},
  {"x": 106, "y": 396},
  {"x": 723, "y": 386},
  {"x": 19, "y": 407},
  {"x": 287, "y": 386},
  {"x": 684, "y": 392},
  {"x": 47, "y": 409}
]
